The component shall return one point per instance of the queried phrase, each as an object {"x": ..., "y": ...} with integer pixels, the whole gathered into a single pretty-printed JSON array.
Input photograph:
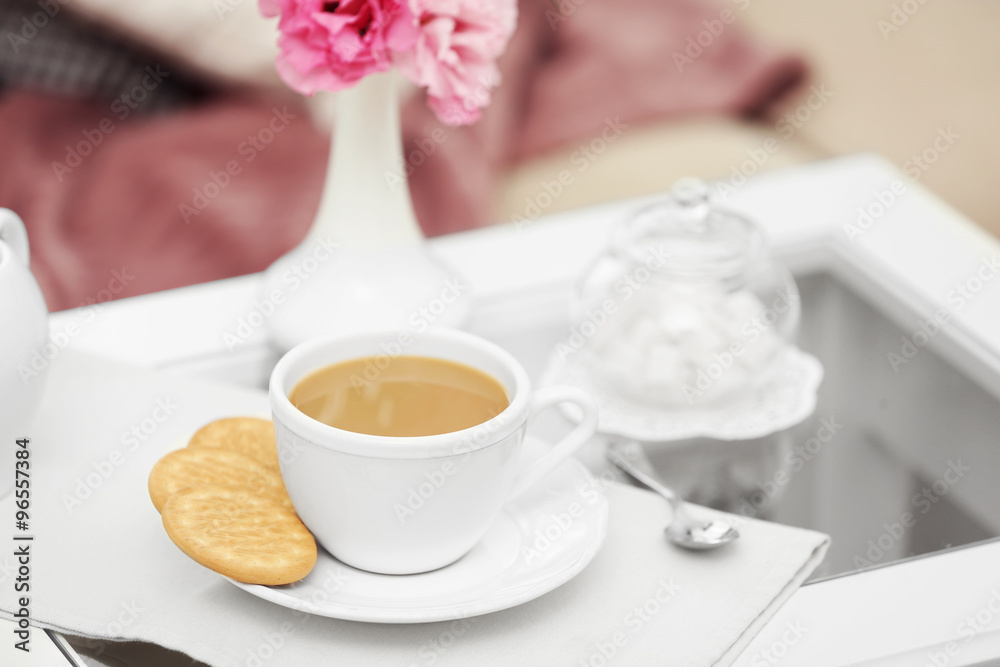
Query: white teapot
[{"x": 24, "y": 331}]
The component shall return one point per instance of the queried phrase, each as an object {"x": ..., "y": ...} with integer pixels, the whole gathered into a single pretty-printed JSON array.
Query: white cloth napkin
[{"x": 102, "y": 566}]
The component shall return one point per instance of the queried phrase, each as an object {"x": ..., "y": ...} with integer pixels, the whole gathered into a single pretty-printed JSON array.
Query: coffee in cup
[{"x": 410, "y": 396}]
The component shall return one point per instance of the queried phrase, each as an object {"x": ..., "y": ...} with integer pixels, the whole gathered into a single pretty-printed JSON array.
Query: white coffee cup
[{"x": 403, "y": 505}]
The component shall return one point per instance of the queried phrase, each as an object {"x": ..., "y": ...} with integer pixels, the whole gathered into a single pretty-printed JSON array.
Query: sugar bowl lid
[{"x": 697, "y": 240}]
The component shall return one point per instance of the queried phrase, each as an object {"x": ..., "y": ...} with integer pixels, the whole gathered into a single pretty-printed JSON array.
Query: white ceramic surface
[
  {"x": 23, "y": 338},
  {"x": 534, "y": 546},
  {"x": 364, "y": 264},
  {"x": 326, "y": 286},
  {"x": 785, "y": 398},
  {"x": 403, "y": 505}
]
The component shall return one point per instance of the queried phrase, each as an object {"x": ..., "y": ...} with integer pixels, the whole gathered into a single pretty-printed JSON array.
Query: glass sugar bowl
[{"x": 686, "y": 306}]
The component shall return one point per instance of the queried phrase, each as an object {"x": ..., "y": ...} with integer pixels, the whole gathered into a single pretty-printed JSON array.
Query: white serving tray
[{"x": 907, "y": 262}]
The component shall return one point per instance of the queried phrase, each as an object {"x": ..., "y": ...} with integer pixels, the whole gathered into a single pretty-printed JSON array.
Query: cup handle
[
  {"x": 13, "y": 233},
  {"x": 581, "y": 433}
]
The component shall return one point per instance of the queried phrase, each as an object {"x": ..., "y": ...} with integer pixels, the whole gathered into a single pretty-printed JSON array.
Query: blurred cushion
[
  {"x": 645, "y": 160},
  {"x": 48, "y": 49},
  {"x": 225, "y": 40}
]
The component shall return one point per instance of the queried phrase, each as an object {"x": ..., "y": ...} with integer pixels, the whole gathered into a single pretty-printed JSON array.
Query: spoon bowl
[
  {"x": 684, "y": 531},
  {"x": 700, "y": 536}
]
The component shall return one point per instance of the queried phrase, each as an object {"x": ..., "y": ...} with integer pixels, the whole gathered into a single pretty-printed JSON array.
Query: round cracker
[
  {"x": 213, "y": 466},
  {"x": 241, "y": 535},
  {"x": 249, "y": 436}
]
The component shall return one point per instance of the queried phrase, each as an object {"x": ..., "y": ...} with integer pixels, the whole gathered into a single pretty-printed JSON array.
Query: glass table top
[{"x": 901, "y": 457}]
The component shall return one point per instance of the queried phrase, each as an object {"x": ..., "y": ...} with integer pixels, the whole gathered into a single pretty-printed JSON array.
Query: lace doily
[{"x": 786, "y": 397}]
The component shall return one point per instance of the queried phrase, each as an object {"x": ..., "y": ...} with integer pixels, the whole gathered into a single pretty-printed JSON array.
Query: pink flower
[
  {"x": 329, "y": 45},
  {"x": 455, "y": 53}
]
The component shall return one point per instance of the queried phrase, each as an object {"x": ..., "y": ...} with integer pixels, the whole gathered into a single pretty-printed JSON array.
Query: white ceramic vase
[
  {"x": 364, "y": 263},
  {"x": 23, "y": 336}
]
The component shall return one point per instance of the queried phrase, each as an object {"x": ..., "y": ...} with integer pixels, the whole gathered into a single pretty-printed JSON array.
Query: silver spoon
[{"x": 683, "y": 530}]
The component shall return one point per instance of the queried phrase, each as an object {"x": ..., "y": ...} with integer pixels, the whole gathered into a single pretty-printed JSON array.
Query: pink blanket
[{"x": 108, "y": 200}]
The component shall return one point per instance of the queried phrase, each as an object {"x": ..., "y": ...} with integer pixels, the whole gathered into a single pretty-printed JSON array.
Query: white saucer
[
  {"x": 541, "y": 540},
  {"x": 787, "y": 397}
]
